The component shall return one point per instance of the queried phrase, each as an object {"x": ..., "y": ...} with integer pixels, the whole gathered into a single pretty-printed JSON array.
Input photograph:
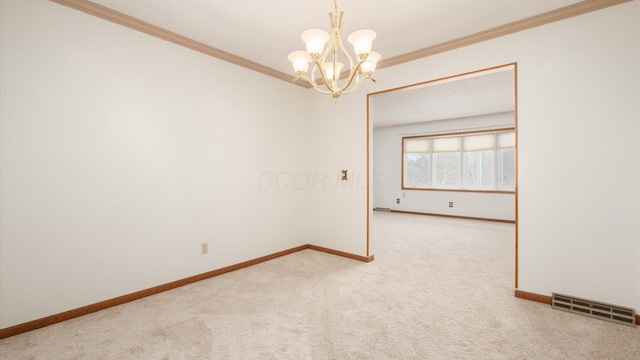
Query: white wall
[
  {"x": 580, "y": 227},
  {"x": 579, "y": 150},
  {"x": 339, "y": 208},
  {"x": 121, "y": 153},
  {"x": 387, "y": 173}
]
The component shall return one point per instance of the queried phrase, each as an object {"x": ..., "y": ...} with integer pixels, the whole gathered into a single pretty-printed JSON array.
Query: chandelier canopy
[{"x": 327, "y": 62}]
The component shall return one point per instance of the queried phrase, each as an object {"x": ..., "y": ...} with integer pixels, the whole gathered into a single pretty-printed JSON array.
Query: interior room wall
[
  {"x": 122, "y": 153},
  {"x": 387, "y": 173},
  {"x": 339, "y": 208},
  {"x": 578, "y": 143}
]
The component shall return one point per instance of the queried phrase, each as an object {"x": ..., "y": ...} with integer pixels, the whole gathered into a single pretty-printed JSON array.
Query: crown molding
[
  {"x": 563, "y": 13},
  {"x": 510, "y": 28},
  {"x": 119, "y": 18},
  {"x": 566, "y": 12}
]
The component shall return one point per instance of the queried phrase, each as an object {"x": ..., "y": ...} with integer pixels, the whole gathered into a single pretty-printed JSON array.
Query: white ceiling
[
  {"x": 265, "y": 32},
  {"x": 480, "y": 93}
]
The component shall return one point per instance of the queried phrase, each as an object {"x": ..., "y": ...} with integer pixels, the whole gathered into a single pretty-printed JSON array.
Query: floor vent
[
  {"x": 382, "y": 209},
  {"x": 598, "y": 310}
]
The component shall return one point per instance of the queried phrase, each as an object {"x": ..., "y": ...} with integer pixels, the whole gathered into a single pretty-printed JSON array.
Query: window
[
  {"x": 480, "y": 161},
  {"x": 446, "y": 162},
  {"x": 416, "y": 161}
]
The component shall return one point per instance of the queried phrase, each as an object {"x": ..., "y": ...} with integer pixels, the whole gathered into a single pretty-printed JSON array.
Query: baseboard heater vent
[
  {"x": 382, "y": 209},
  {"x": 598, "y": 310}
]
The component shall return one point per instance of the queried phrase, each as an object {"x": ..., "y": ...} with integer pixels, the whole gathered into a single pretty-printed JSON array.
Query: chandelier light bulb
[
  {"x": 328, "y": 66},
  {"x": 369, "y": 65},
  {"x": 361, "y": 41},
  {"x": 300, "y": 60},
  {"x": 315, "y": 39}
]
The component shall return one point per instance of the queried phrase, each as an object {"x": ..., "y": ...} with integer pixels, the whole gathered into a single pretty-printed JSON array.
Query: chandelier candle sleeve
[{"x": 328, "y": 63}]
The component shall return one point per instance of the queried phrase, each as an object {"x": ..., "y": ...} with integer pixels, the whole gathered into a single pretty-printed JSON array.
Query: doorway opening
[{"x": 446, "y": 147}]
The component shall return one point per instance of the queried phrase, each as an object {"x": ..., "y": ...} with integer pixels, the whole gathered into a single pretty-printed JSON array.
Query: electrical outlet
[
  {"x": 398, "y": 201},
  {"x": 204, "y": 248},
  {"x": 450, "y": 204}
]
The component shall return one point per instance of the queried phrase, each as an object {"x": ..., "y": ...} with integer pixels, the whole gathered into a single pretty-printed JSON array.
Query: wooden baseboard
[
  {"x": 533, "y": 297},
  {"x": 343, "y": 254},
  {"x": 85, "y": 310},
  {"x": 454, "y": 216}
]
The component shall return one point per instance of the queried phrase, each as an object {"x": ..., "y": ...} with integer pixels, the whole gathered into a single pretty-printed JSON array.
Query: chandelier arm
[
  {"x": 335, "y": 44},
  {"x": 334, "y": 62},
  {"x": 304, "y": 77},
  {"x": 320, "y": 90},
  {"x": 313, "y": 72},
  {"x": 353, "y": 74},
  {"x": 353, "y": 69},
  {"x": 344, "y": 51},
  {"x": 348, "y": 91},
  {"x": 321, "y": 60},
  {"x": 317, "y": 63}
]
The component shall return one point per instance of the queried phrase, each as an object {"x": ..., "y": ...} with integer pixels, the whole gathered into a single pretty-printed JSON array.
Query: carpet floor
[{"x": 439, "y": 288}]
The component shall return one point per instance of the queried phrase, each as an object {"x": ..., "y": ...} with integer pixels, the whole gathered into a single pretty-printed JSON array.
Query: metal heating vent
[
  {"x": 598, "y": 310},
  {"x": 382, "y": 209}
]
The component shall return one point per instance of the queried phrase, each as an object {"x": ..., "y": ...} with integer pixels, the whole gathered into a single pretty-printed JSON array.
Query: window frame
[{"x": 462, "y": 169}]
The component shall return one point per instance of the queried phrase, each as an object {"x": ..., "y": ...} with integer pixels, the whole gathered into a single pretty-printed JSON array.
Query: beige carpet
[{"x": 438, "y": 289}]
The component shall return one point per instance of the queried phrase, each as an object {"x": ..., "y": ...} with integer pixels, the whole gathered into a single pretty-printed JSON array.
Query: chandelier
[{"x": 326, "y": 62}]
